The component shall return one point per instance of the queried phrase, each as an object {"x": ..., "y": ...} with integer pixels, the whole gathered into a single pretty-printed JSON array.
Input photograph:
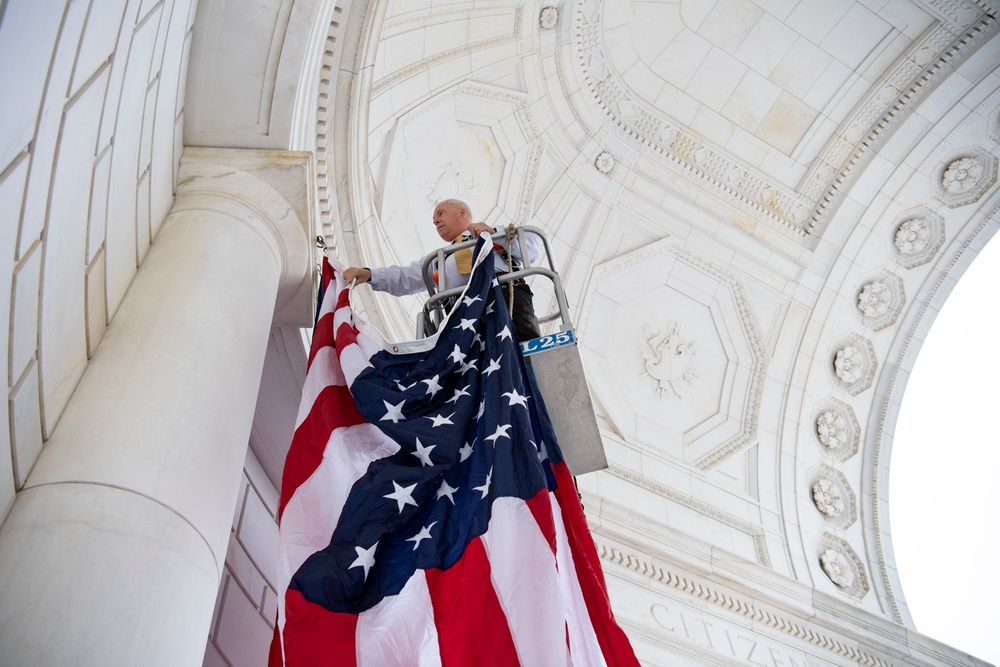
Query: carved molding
[
  {"x": 808, "y": 210},
  {"x": 670, "y": 360},
  {"x": 881, "y": 300},
  {"x": 754, "y": 531},
  {"x": 837, "y": 429},
  {"x": 965, "y": 178},
  {"x": 917, "y": 236},
  {"x": 833, "y": 497},
  {"x": 655, "y": 571},
  {"x": 854, "y": 364},
  {"x": 842, "y": 566},
  {"x": 994, "y": 126}
]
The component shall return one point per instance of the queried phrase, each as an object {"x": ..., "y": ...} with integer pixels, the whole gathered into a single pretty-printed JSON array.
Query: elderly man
[{"x": 453, "y": 220}]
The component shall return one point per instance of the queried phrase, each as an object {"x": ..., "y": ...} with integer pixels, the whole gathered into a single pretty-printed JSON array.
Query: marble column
[{"x": 113, "y": 552}]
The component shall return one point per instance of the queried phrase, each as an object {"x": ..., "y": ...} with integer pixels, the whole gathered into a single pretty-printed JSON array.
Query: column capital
[{"x": 273, "y": 192}]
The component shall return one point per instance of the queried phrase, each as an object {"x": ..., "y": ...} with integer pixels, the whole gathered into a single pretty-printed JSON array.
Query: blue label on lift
[{"x": 547, "y": 342}]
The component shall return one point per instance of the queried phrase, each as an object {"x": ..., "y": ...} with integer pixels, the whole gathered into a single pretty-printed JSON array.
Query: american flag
[{"x": 426, "y": 517}]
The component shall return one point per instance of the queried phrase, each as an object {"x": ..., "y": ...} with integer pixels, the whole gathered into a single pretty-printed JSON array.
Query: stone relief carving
[
  {"x": 831, "y": 429},
  {"x": 832, "y": 496},
  {"x": 837, "y": 429},
  {"x": 670, "y": 360},
  {"x": 880, "y": 301},
  {"x": 994, "y": 126},
  {"x": 842, "y": 566},
  {"x": 548, "y": 17},
  {"x": 605, "y": 162},
  {"x": 828, "y": 498},
  {"x": 854, "y": 364},
  {"x": 966, "y": 178},
  {"x": 837, "y": 567},
  {"x": 918, "y": 235}
]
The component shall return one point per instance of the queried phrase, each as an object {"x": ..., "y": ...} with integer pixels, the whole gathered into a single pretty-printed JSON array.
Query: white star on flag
[
  {"x": 447, "y": 490},
  {"x": 459, "y": 393},
  {"x": 516, "y": 398},
  {"x": 501, "y": 432},
  {"x": 505, "y": 333},
  {"x": 365, "y": 559},
  {"x": 457, "y": 355},
  {"x": 424, "y": 534},
  {"x": 466, "y": 367},
  {"x": 423, "y": 453},
  {"x": 441, "y": 419},
  {"x": 401, "y": 387},
  {"x": 464, "y": 452},
  {"x": 467, "y": 324},
  {"x": 432, "y": 385},
  {"x": 494, "y": 365},
  {"x": 485, "y": 488},
  {"x": 469, "y": 300},
  {"x": 393, "y": 412},
  {"x": 403, "y": 496},
  {"x": 482, "y": 408}
]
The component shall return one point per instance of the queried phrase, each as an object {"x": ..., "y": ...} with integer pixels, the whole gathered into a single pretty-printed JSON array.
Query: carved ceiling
[{"x": 753, "y": 205}]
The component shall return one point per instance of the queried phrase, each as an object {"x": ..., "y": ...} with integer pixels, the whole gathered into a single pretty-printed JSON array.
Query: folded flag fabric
[{"x": 426, "y": 516}]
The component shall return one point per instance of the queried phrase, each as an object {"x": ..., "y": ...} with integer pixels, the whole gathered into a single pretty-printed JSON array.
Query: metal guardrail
[{"x": 441, "y": 296}]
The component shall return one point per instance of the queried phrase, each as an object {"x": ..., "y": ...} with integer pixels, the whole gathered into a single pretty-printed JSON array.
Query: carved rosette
[
  {"x": 965, "y": 179},
  {"x": 548, "y": 17},
  {"x": 832, "y": 497},
  {"x": 881, "y": 300},
  {"x": 605, "y": 162},
  {"x": 842, "y": 566},
  {"x": 854, "y": 364},
  {"x": 917, "y": 237},
  {"x": 837, "y": 430}
]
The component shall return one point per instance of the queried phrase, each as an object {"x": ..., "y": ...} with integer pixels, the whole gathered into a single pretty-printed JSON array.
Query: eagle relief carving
[{"x": 669, "y": 360}]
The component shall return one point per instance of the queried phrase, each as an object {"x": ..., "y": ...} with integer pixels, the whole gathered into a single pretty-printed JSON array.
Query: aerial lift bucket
[{"x": 554, "y": 360}]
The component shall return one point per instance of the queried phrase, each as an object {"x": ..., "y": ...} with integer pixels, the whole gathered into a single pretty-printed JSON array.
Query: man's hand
[
  {"x": 478, "y": 228},
  {"x": 357, "y": 274}
]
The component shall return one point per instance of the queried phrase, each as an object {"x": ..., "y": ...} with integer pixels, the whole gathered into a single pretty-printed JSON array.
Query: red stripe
[
  {"x": 541, "y": 509},
  {"x": 333, "y": 408},
  {"x": 322, "y": 337},
  {"x": 472, "y": 628},
  {"x": 315, "y": 637},
  {"x": 614, "y": 644}
]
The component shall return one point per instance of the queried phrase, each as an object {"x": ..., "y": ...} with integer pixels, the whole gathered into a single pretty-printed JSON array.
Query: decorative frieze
[
  {"x": 881, "y": 300},
  {"x": 854, "y": 364},
  {"x": 917, "y": 236},
  {"x": 965, "y": 179},
  {"x": 837, "y": 430},
  {"x": 842, "y": 566}
]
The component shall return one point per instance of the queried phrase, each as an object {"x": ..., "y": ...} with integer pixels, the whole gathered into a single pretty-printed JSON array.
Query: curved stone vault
[{"x": 757, "y": 208}]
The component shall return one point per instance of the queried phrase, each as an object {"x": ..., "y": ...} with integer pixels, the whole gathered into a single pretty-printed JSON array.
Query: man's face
[{"x": 450, "y": 221}]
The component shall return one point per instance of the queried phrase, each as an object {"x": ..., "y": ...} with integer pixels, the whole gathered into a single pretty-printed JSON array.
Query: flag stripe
[
  {"x": 524, "y": 575},
  {"x": 333, "y": 408},
  {"x": 614, "y": 644},
  {"x": 583, "y": 643},
  {"x": 317, "y": 637},
  {"x": 399, "y": 631},
  {"x": 472, "y": 627}
]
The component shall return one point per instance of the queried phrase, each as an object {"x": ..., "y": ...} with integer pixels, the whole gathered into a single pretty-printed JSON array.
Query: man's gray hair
[{"x": 456, "y": 203}]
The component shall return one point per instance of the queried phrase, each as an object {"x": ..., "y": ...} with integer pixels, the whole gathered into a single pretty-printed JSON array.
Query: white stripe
[
  {"x": 524, "y": 577},
  {"x": 313, "y": 511},
  {"x": 584, "y": 647},
  {"x": 325, "y": 371},
  {"x": 400, "y": 629}
]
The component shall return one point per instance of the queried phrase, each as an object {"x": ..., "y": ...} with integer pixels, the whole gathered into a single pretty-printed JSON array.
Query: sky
[{"x": 944, "y": 468}]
